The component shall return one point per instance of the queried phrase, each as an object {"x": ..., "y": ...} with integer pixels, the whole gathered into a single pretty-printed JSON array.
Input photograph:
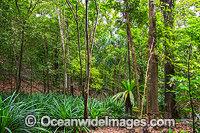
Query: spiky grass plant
[
  {"x": 114, "y": 108},
  {"x": 12, "y": 115},
  {"x": 14, "y": 109}
]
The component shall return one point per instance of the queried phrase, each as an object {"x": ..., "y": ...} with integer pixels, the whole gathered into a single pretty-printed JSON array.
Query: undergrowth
[{"x": 14, "y": 108}]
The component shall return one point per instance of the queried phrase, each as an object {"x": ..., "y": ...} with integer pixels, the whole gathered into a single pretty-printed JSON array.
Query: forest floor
[
  {"x": 181, "y": 127},
  {"x": 5, "y": 86}
]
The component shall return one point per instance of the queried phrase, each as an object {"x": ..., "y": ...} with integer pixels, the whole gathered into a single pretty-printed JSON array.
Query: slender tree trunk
[
  {"x": 129, "y": 62},
  {"x": 191, "y": 99},
  {"x": 21, "y": 58},
  {"x": 56, "y": 68},
  {"x": 152, "y": 80},
  {"x": 11, "y": 66},
  {"x": 79, "y": 45},
  {"x": 95, "y": 27},
  {"x": 70, "y": 82},
  {"x": 44, "y": 81},
  {"x": 63, "y": 50},
  {"x": 47, "y": 62},
  {"x": 114, "y": 82},
  {"x": 133, "y": 55},
  {"x": 79, "y": 48},
  {"x": 11, "y": 80},
  {"x": 87, "y": 83},
  {"x": 31, "y": 76}
]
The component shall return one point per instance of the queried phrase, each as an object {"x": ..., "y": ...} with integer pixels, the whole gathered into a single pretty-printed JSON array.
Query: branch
[
  {"x": 76, "y": 18},
  {"x": 145, "y": 84},
  {"x": 69, "y": 4},
  {"x": 30, "y": 12},
  {"x": 94, "y": 30},
  {"x": 16, "y": 3},
  {"x": 30, "y": 6}
]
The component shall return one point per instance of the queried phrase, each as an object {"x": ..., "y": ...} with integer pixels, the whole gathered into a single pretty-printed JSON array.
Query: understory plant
[
  {"x": 14, "y": 108},
  {"x": 127, "y": 95}
]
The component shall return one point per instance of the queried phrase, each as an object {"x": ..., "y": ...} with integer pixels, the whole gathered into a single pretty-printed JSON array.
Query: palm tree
[{"x": 127, "y": 96}]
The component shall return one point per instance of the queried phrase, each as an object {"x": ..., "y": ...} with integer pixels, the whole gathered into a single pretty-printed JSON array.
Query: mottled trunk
[
  {"x": 70, "y": 82},
  {"x": 63, "y": 51},
  {"x": 152, "y": 80}
]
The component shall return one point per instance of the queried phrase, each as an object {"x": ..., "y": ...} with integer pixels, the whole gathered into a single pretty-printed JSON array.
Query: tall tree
[
  {"x": 78, "y": 35},
  {"x": 23, "y": 20},
  {"x": 170, "y": 109},
  {"x": 152, "y": 80},
  {"x": 63, "y": 49},
  {"x": 133, "y": 53},
  {"x": 87, "y": 83}
]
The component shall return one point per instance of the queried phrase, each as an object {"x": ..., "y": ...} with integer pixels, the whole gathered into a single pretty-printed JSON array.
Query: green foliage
[
  {"x": 12, "y": 114},
  {"x": 14, "y": 108},
  {"x": 129, "y": 90},
  {"x": 198, "y": 123}
]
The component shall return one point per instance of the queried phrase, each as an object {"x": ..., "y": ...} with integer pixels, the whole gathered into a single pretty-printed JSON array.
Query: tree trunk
[
  {"x": 44, "y": 81},
  {"x": 11, "y": 67},
  {"x": 133, "y": 55},
  {"x": 170, "y": 109},
  {"x": 87, "y": 83},
  {"x": 31, "y": 77},
  {"x": 63, "y": 51},
  {"x": 21, "y": 58},
  {"x": 56, "y": 67},
  {"x": 95, "y": 27},
  {"x": 70, "y": 82},
  {"x": 47, "y": 70},
  {"x": 79, "y": 48},
  {"x": 152, "y": 80}
]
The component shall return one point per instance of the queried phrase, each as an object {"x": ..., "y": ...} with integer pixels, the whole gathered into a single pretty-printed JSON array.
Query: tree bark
[
  {"x": 21, "y": 58},
  {"x": 63, "y": 50},
  {"x": 79, "y": 48},
  {"x": 46, "y": 48},
  {"x": 70, "y": 82},
  {"x": 56, "y": 65},
  {"x": 133, "y": 55},
  {"x": 170, "y": 108},
  {"x": 79, "y": 45},
  {"x": 44, "y": 81},
  {"x": 31, "y": 76},
  {"x": 95, "y": 27},
  {"x": 87, "y": 83},
  {"x": 23, "y": 23},
  {"x": 152, "y": 80},
  {"x": 189, "y": 84}
]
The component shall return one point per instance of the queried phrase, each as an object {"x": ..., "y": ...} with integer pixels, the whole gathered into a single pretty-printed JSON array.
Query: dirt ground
[{"x": 181, "y": 127}]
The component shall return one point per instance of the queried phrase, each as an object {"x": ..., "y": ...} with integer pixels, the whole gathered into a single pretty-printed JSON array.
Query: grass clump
[{"x": 14, "y": 109}]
